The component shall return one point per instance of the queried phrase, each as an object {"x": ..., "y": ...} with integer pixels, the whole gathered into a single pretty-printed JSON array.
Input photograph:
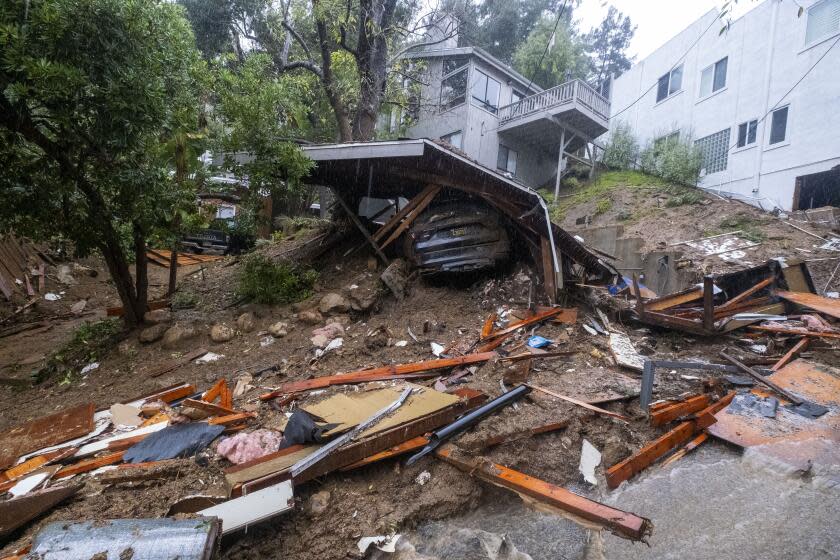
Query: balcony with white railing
[{"x": 574, "y": 101}]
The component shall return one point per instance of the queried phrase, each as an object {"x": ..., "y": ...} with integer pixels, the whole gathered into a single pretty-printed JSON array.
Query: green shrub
[
  {"x": 748, "y": 225},
  {"x": 622, "y": 149},
  {"x": 603, "y": 205},
  {"x": 685, "y": 197},
  {"x": 571, "y": 182},
  {"x": 184, "y": 299},
  {"x": 264, "y": 281},
  {"x": 675, "y": 160}
]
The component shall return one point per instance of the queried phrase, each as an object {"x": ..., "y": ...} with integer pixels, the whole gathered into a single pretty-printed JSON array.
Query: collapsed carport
[{"x": 418, "y": 169}]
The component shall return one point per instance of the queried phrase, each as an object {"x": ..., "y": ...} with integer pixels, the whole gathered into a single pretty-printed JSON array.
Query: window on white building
[
  {"x": 663, "y": 141},
  {"x": 515, "y": 96},
  {"x": 455, "y": 139},
  {"x": 506, "y": 160},
  {"x": 713, "y": 77},
  {"x": 669, "y": 84},
  {"x": 778, "y": 126},
  {"x": 453, "y": 89},
  {"x": 823, "y": 20},
  {"x": 485, "y": 91},
  {"x": 715, "y": 150},
  {"x": 746, "y": 133}
]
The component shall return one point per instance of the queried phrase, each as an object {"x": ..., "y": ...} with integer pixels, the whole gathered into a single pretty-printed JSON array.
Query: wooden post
[
  {"x": 549, "y": 280},
  {"x": 560, "y": 166},
  {"x": 361, "y": 228},
  {"x": 708, "y": 303}
]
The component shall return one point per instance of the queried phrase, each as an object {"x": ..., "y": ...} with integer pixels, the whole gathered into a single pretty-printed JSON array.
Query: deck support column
[{"x": 561, "y": 164}]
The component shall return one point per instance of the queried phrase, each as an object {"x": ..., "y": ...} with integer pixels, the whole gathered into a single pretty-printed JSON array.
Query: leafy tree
[
  {"x": 564, "y": 60},
  {"x": 622, "y": 149},
  {"x": 89, "y": 89},
  {"x": 606, "y": 47},
  {"x": 505, "y": 25}
]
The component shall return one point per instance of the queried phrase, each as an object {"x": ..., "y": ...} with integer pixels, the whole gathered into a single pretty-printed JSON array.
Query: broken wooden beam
[
  {"x": 397, "y": 218},
  {"x": 489, "y": 325},
  {"x": 399, "y": 371},
  {"x": 210, "y": 408},
  {"x": 577, "y": 402},
  {"x": 792, "y": 353},
  {"x": 706, "y": 417},
  {"x": 691, "y": 445},
  {"x": 90, "y": 464},
  {"x": 648, "y": 454},
  {"x": 666, "y": 414},
  {"x": 409, "y": 219},
  {"x": 745, "y": 294},
  {"x": 761, "y": 379},
  {"x": 539, "y": 317},
  {"x": 795, "y": 331},
  {"x": 401, "y": 449},
  {"x": 621, "y": 523}
]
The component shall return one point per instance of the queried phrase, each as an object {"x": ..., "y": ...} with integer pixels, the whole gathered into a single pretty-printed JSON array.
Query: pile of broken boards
[
  {"x": 788, "y": 413},
  {"x": 328, "y": 424}
]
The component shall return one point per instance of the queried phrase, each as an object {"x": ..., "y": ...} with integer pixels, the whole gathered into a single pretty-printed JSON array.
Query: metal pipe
[{"x": 468, "y": 420}]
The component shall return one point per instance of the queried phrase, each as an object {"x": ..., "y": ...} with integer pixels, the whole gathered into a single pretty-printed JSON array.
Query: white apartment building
[{"x": 762, "y": 100}]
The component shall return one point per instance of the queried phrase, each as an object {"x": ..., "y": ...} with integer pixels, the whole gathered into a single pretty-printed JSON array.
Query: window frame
[
  {"x": 506, "y": 168},
  {"x": 816, "y": 41},
  {"x": 669, "y": 91},
  {"x": 483, "y": 104},
  {"x": 447, "y": 137},
  {"x": 786, "y": 139},
  {"x": 713, "y": 67},
  {"x": 748, "y": 124},
  {"x": 449, "y": 105},
  {"x": 225, "y": 206},
  {"x": 723, "y": 147}
]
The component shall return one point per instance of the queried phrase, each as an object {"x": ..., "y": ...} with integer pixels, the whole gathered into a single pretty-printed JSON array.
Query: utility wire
[
  {"x": 553, "y": 34},
  {"x": 677, "y": 63}
]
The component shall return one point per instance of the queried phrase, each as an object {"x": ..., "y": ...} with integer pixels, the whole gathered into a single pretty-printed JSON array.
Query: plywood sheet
[
  {"x": 813, "y": 301},
  {"x": 351, "y": 408},
  {"x": 625, "y": 353},
  {"x": 46, "y": 431},
  {"x": 262, "y": 467}
]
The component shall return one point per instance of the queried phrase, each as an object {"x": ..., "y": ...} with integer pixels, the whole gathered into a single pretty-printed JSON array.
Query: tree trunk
[
  {"x": 123, "y": 282},
  {"x": 342, "y": 116},
  {"x": 372, "y": 63},
  {"x": 141, "y": 275}
]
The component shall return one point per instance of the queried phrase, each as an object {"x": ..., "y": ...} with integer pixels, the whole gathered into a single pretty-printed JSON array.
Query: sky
[{"x": 656, "y": 20}]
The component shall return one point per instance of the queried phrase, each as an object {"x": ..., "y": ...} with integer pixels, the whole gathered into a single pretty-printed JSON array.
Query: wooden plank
[
  {"x": 666, "y": 414},
  {"x": 395, "y": 451},
  {"x": 621, "y": 523},
  {"x": 708, "y": 303},
  {"x": 791, "y": 354},
  {"x": 577, "y": 402},
  {"x": 231, "y": 419},
  {"x": 745, "y": 294},
  {"x": 90, "y": 465},
  {"x": 549, "y": 280},
  {"x": 210, "y": 408},
  {"x": 399, "y": 371},
  {"x": 706, "y": 417},
  {"x": 214, "y": 391},
  {"x": 355, "y": 219},
  {"x": 489, "y": 325},
  {"x": 226, "y": 397},
  {"x": 538, "y": 318},
  {"x": 397, "y": 218},
  {"x": 17, "y": 512},
  {"x": 410, "y": 218},
  {"x": 44, "y": 432},
  {"x": 825, "y": 305},
  {"x": 792, "y": 331},
  {"x": 647, "y": 455},
  {"x": 693, "y": 444},
  {"x": 673, "y": 300}
]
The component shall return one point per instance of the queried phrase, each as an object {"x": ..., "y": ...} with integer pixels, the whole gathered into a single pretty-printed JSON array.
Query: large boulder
[
  {"x": 221, "y": 333},
  {"x": 176, "y": 334},
  {"x": 310, "y": 317},
  {"x": 157, "y": 316},
  {"x": 153, "y": 333},
  {"x": 333, "y": 303},
  {"x": 246, "y": 322}
]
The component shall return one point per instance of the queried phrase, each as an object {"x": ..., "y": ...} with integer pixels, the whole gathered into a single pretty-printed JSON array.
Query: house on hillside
[
  {"x": 498, "y": 117},
  {"x": 761, "y": 99}
]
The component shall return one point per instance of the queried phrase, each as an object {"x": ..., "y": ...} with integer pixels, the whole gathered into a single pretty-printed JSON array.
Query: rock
[
  {"x": 319, "y": 502},
  {"x": 310, "y": 317},
  {"x": 279, "y": 329},
  {"x": 64, "y": 276},
  {"x": 78, "y": 307},
  {"x": 153, "y": 333},
  {"x": 221, "y": 333},
  {"x": 396, "y": 278},
  {"x": 364, "y": 299},
  {"x": 304, "y": 305},
  {"x": 245, "y": 322},
  {"x": 157, "y": 316},
  {"x": 333, "y": 303},
  {"x": 176, "y": 334},
  {"x": 342, "y": 320}
]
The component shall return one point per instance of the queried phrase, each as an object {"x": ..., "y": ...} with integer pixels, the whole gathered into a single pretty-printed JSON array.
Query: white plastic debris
[
  {"x": 589, "y": 459},
  {"x": 49, "y": 296},
  {"x": 385, "y": 543},
  {"x": 28, "y": 484},
  {"x": 89, "y": 368},
  {"x": 209, "y": 357},
  {"x": 437, "y": 349},
  {"x": 423, "y": 478},
  {"x": 334, "y": 344},
  {"x": 266, "y": 341},
  {"x": 401, "y": 343}
]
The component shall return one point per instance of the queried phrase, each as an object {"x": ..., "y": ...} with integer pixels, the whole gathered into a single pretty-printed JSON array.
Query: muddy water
[{"x": 714, "y": 503}]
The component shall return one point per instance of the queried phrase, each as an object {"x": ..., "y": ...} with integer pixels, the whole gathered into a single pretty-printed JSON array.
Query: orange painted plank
[
  {"x": 231, "y": 418},
  {"x": 706, "y": 417},
  {"x": 489, "y": 323},
  {"x": 226, "y": 397},
  {"x": 213, "y": 392},
  {"x": 647, "y": 455},
  {"x": 539, "y": 317},
  {"x": 213, "y": 409},
  {"x": 813, "y": 301},
  {"x": 688, "y": 406},
  {"x": 401, "y": 449},
  {"x": 673, "y": 300},
  {"x": 791, "y": 354},
  {"x": 622, "y": 523},
  {"x": 90, "y": 464}
]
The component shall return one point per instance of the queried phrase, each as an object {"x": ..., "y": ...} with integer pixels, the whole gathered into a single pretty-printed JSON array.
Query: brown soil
[{"x": 384, "y": 496}]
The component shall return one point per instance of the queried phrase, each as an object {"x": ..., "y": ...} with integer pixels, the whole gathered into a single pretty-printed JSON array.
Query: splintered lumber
[
  {"x": 791, "y": 354},
  {"x": 662, "y": 416},
  {"x": 647, "y": 455},
  {"x": 19, "y": 511},
  {"x": 761, "y": 379},
  {"x": 175, "y": 363},
  {"x": 44, "y": 432},
  {"x": 401, "y": 449},
  {"x": 623, "y": 524},
  {"x": 813, "y": 301},
  {"x": 673, "y": 300},
  {"x": 796, "y": 331},
  {"x": 577, "y": 402},
  {"x": 489, "y": 323},
  {"x": 411, "y": 217},
  {"x": 173, "y": 394},
  {"x": 213, "y": 392},
  {"x": 226, "y": 397},
  {"x": 691, "y": 445},
  {"x": 212, "y": 409},
  {"x": 90, "y": 464},
  {"x": 539, "y": 317},
  {"x": 397, "y": 218},
  {"x": 399, "y": 371},
  {"x": 706, "y": 417},
  {"x": 231, "y": 419},
  {"x": 745, "y": 294}
]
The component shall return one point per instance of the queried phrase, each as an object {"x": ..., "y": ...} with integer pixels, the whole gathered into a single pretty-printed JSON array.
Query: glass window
[
  {"x": 669, "y": 84},
  {"x": 515, "y": 96},
  {"x": 715, "y": 150},
  {"x": 746, "y": 133},
  {"x": 455, "y": 139},
  {"x": 713, "y": 77},
  {"x": 453, "y": 63},
  {"x": 225, "y": 212},
  {"x": 778, "y": 125},
  {"x": 506, "y": 160},
  {"x": 823, "y": 20},
  {"x": 485, "y": 91},
  {"x": 667, "y": 139},
  {"x": 453, "y": 90}
]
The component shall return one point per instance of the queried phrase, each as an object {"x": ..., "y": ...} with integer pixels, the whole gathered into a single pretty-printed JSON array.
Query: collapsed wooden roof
[{"x": 405, "y": 167}]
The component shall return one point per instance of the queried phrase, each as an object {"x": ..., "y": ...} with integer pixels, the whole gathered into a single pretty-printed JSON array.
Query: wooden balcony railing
[{"x": 569, "y": 92}]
